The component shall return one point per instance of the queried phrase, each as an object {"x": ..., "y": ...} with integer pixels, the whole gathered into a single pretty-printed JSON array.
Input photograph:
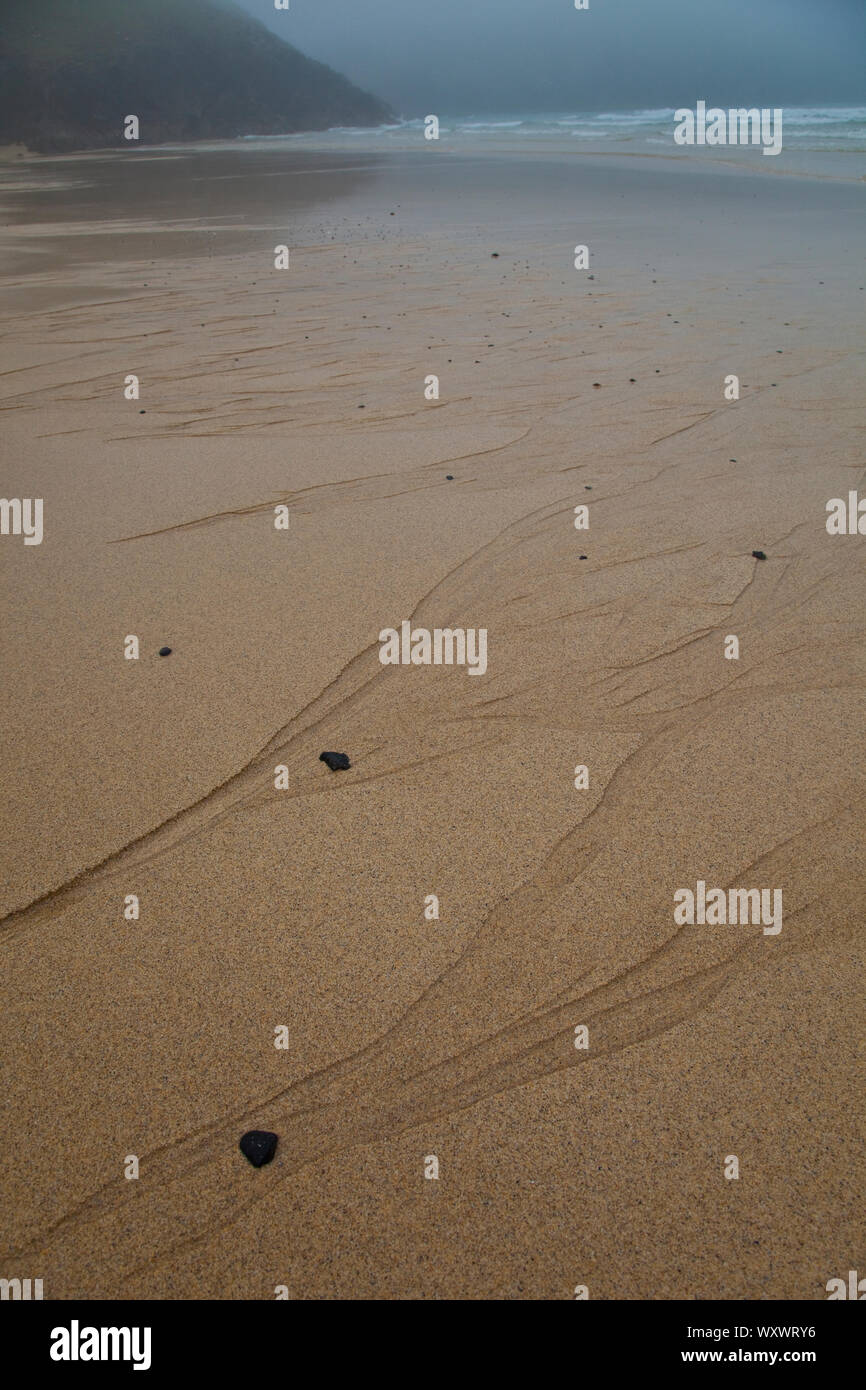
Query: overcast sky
[{"x": 456, "y": 57}]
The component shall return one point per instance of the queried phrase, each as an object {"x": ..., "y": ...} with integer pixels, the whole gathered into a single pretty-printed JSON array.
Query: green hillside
[{"x": 71, "y": 70}]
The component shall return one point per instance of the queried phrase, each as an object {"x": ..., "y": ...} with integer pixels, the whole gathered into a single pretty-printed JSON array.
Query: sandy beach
[{"x": 411, "y": 1037}]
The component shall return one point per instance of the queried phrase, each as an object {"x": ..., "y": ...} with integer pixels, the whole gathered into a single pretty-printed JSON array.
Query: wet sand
[{"x": 305, "y": 907}]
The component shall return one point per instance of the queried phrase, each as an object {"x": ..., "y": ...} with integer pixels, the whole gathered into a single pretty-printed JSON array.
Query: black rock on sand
[
  {"x": 337, "y": 762},
  {"x": 259, "y": 1146}
]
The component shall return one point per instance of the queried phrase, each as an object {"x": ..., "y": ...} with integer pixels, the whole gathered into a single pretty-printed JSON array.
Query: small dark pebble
[
  {"x": 259, "y": 1146},
  {"x": 596, "y": 384},
  {"x": 631, "y": 378},
  {"x": 584, "y": 557},
  {"x": 337, "y": 762},
  {"x": 165, "y": 651},
  {"x": 450, "y": 477},
  {"x": 759, "y": 555}
]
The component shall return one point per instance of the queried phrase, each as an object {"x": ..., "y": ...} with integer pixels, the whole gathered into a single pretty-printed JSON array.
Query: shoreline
[{"x": 792, "y": 161}]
